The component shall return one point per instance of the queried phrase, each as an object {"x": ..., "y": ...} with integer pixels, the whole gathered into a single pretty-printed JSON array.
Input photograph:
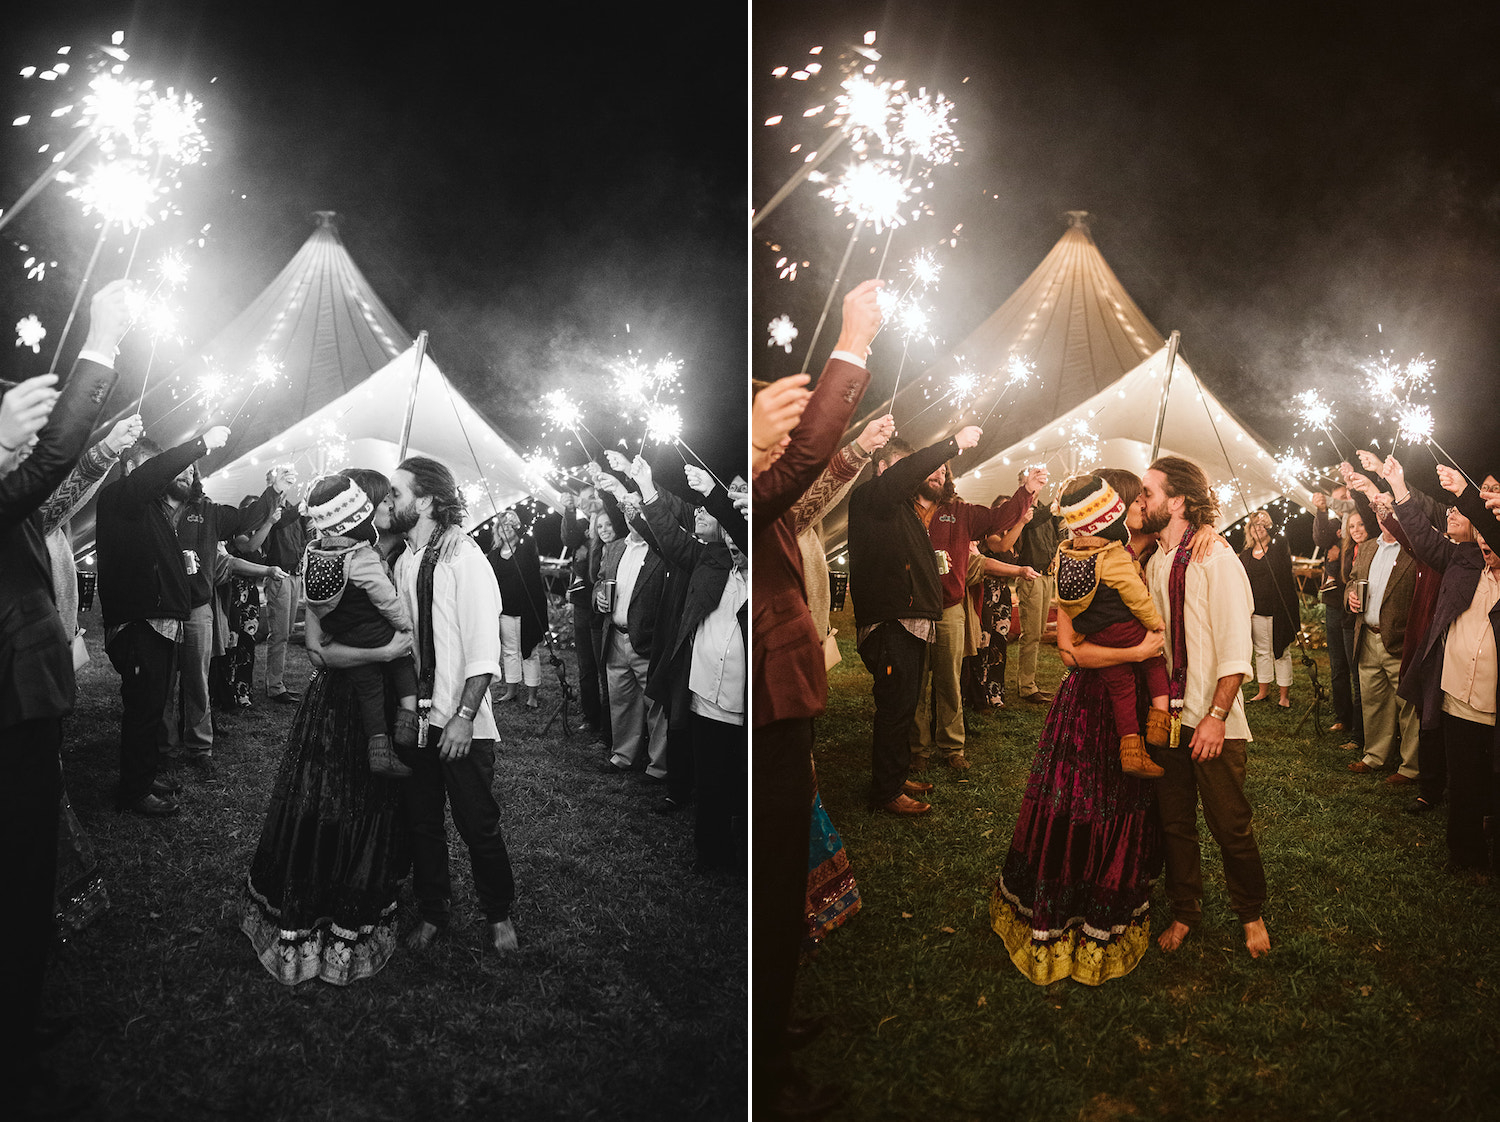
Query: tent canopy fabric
[
  {"x": 323, "y": 328},
  {"x": 1117, "y": 427},
  {"x": 1092, "y": 356},
  {"x": 363, "y": 427}
]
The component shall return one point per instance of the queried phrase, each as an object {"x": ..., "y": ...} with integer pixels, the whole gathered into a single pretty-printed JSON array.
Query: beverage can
[{"x": 944, "y": 563}]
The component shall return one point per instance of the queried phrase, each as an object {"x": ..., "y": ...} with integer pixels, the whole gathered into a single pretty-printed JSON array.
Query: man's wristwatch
[
  {"x": 466, "y": 712},
  {"x": 1220, "y": 712}
]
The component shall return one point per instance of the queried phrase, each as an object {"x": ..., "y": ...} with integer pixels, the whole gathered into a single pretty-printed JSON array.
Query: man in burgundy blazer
[{"x": 790, "y": 688}]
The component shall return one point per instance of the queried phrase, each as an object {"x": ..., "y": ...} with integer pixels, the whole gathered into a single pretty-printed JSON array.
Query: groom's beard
[
  {"x": 1154, "y": 521},
  {"x": 931, "y": 491},
  {"x": 404, "y": 520}
]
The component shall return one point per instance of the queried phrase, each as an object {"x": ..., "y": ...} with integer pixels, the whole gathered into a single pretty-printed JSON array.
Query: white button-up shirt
[
  {"x": 717, "y": 673},
  {"x": 1216, "y": 607},
  {"x": 465, "y": 627},
  {"x": 629, "y": 571},
  {"x": 1380, "y": 575}
]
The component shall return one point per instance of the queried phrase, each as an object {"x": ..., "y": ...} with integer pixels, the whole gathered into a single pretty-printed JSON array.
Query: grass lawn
[
  {"x": 626, "y": 1000},
  {"x": 1380, "y": 997}
]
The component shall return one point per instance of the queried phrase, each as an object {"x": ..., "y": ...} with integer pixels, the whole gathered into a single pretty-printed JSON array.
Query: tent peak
[
  {"x": 326, "y": 218},
  {"x": 1077, "y": 218}
]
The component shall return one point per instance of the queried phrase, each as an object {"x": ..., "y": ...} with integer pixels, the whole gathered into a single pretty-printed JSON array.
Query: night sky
[
  {"x": 521, "y": 192},
  {"x": 1292, "y": 188}
]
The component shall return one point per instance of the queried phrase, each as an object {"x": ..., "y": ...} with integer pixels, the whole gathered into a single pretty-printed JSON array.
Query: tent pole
[
  {"x": 1166, "y": 386},
  {"x": 411, "y": 402}
]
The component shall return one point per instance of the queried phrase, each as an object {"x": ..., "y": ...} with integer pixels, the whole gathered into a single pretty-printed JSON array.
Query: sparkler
[
  {"x": 30, "y": 333},
  {"x": 1018, "y": 372},
  {"x": 782, "y": 333},
  {"x": 1317, "y": 413}
]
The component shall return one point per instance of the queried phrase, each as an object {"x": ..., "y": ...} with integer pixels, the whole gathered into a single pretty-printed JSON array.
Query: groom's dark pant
[{"x": 465, "y": 786}]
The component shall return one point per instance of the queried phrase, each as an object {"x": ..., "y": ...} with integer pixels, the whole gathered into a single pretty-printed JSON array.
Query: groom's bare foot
[
  {"x": 422, "y": 936},
  {"x": 1257, "y": 938},
  {"x": 1173, "y": 936}
]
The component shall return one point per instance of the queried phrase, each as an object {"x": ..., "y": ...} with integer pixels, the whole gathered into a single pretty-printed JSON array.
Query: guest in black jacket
[
  {"x": 146, "y": 599},
  {"x": 898, "y": 598},
  {"x": 37, "y": 689},
  {"x": 201, "y": 524}
]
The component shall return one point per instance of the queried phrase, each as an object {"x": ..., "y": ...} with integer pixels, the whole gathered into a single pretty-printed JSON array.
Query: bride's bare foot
[
  {"x": 1173, "y": 936},
  {"x": 1257, "y": 938}
]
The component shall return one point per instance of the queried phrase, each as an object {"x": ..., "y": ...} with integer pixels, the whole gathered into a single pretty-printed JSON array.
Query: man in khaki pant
[{"x": 1390, "y": 576}]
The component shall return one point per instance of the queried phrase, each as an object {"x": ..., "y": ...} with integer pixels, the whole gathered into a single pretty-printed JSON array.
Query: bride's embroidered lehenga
[
  {"x": 1073, "y": 896},
  {"x": 320, "y": 899}
]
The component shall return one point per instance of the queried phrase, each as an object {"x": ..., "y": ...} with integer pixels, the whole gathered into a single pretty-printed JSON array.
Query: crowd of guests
[
  {"x": 1160, "y": 624},
  {"x": 408, "y": 624},
  {"x": 1412, "y": 601}
]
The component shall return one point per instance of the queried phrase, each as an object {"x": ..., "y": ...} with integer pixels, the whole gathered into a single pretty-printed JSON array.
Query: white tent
[
  {"x": 1114, "y": 428},
  {"x": 322, "y": 324},
  {"x": 1091, "y": 350},
  {"x": 364, "y": 426}
]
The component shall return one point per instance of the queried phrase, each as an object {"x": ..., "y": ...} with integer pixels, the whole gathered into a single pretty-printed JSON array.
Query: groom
[
  {"x": 450, "y": 591},
  {"x": 1207, "y": 606}
]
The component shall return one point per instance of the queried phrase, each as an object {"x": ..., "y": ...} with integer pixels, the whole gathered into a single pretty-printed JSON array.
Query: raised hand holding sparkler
[
  {"x": 124, "y": 434},
  {"x": 877, "y": 434},
  {"x": 699, "y": 479},
  {"x": 24, "y": 411},
  {"x": 773, "y": 415}
]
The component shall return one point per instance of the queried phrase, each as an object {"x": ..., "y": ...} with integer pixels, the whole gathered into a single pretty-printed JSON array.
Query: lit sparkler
[
  {"x": 872, "y": 191},
  {"x": 266, "y": 370},
  {"x": 923, "y": 128},
  {"x": 1414, "y": 423},
  {"x": 122, "y": 192},
  {"x": 663, "y": 424},
  {"x": 1291, "y": 468},
  {"x": 783, "y": 331},
  {"x": 30, "y": 333}
]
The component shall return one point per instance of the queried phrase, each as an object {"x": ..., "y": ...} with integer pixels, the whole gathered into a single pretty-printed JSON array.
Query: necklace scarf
[
  {"x": 425, "y": 646},
  {"x": 1176, "y": 601}
]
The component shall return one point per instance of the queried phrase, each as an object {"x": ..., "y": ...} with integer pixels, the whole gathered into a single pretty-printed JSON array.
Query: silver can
[
  {"x": 944, "y": 562},
  {"x": 1361, "y": 590},
  {"x": 190, "y": 561}
]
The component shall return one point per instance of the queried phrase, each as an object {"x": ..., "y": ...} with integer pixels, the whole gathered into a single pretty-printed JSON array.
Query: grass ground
[
  {"x": 627, "y": 999},
  {"x": 1380, "y": 998}
]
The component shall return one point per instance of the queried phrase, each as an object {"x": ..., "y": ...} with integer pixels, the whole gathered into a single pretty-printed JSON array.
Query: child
[
  {"x": 354, "y": 599},
  {"x": 1100, "y": 586}
]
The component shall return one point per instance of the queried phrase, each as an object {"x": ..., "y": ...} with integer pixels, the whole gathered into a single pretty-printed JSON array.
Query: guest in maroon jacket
[
  {"x": 790, "y": 688},
  {"x": 951, "y": 525}
]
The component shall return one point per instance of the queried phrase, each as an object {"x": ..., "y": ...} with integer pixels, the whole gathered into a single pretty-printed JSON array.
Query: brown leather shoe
[
  {"x": 905, "y": 805},
  {"x": 1398, "y": 780},
  {"x": 1359, "y": 767},
  {"x": 959, "y": 763},
  {"x": 915, "y": 788},
  {"x": 918, "y": 763},
  {"x": 1041, "y": 697}
]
